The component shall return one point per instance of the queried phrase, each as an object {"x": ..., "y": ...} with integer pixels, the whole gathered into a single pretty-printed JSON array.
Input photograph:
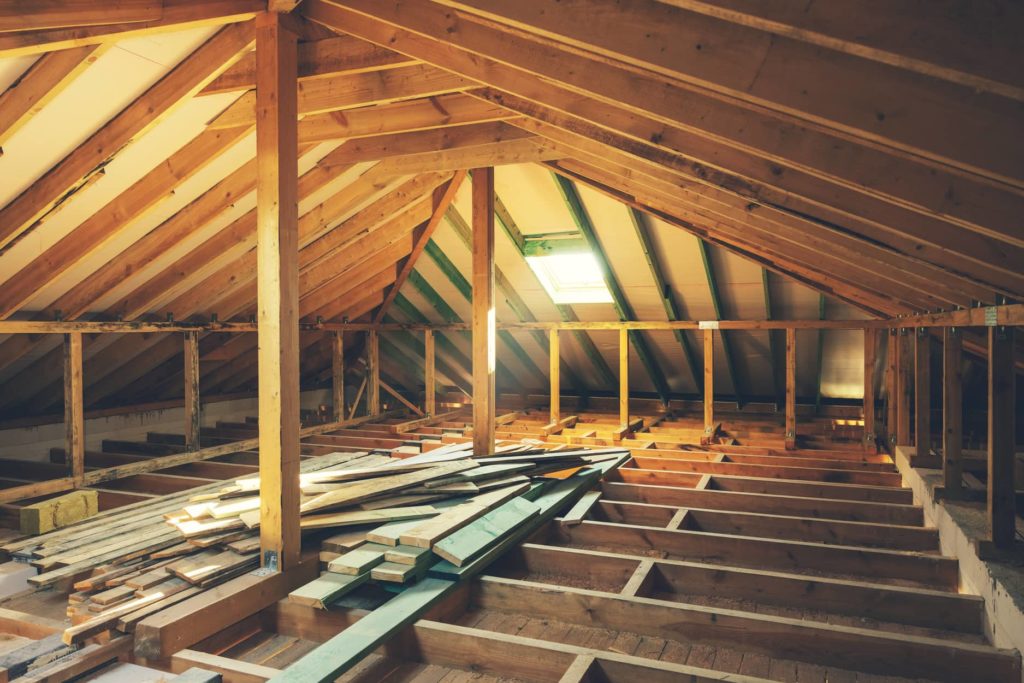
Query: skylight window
[{"x": 569, "y": 272}]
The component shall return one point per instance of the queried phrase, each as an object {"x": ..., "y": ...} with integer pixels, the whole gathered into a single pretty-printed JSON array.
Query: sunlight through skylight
[{"x": 571, "y": 278}]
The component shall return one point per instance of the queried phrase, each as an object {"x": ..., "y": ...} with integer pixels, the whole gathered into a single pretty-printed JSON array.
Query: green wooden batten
[
  {"x": 716, "y": 301},
  {"x": 445, "y": 347},
  {"x": 668, "y": 298},
  {"x": 452, "y": 272},
  {"x": 622, "y": 307}
]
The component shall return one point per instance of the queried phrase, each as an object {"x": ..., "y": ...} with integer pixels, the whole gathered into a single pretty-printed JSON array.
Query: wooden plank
[
  {"x": 74, "y": 413},
  {"x": 952, "y": 413},
  {"x": 338, "y": 374},
  {"x": 278, "y": 295},
  {"x": 429, "y": 374},
  {"x": 891, "y": 372},
  {"x": 227, "y": 669},
  {"x": 623, "y": 378},
  {"x": 193, "y": 409},
  {"x": 358, "y": 492},
  {"x": 1002, "y": 509},
  {"x": 483, "y": 318},
  {"x": 790, "y": 431},
  {"x": 709, "y": 382},
  {"x": 358, "y": 561},
  {"x": 555, "y": 360},
  {"x": 580, "y": 510},
  {"x": 922, "y": 394},
  {"x": 467, "y": 544}
]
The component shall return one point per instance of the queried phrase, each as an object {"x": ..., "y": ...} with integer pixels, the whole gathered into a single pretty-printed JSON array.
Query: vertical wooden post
[
  {"x": 891, "y": 371},
  {"x": 429, "y": 376},
  {"x": 790, "y": 388},
  {"x": 904, "y": 387},
  {"x": 193, "y": 418},
  {"x": 554, "y": 376},
  {"x": 483, "y": 311},
  {"x": 278, "y": 289},
  {"x": 1002, "y": 512},
  {"x": 922, "y": 395},
  {"x": 338, "y": 375},
  {"x": 709, "y": 382},
  {"x": 373, "y": 372},
  {"x": 870, "y": 351},
  {"x": 952, "y": 413},
  {"x": 74, "y": 415},
  {"x": 623, "y": 377}
]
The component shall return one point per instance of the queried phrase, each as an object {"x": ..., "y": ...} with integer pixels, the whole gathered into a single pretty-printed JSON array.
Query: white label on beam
[
  {"x": 707, "y": 324},
  {"x": 991, "y": 316}
]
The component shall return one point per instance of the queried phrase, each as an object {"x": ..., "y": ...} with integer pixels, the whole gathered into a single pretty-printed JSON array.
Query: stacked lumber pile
[
  {"x": 124, "y": 565},
  {"x": 484, "y": 502}
]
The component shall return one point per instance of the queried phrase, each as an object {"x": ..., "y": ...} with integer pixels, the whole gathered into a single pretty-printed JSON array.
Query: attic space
[{"x": 589, "y": 341}]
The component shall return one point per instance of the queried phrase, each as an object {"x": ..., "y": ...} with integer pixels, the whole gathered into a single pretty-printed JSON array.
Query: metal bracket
[{"x": 270, "y": 564}]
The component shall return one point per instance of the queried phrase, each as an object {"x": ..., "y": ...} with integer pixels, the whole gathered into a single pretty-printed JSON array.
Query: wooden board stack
[{"x": 460, "y": 529}]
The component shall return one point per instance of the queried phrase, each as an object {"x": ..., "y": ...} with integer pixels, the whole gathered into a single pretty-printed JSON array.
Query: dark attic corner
[{"x": 437, "y": 341}]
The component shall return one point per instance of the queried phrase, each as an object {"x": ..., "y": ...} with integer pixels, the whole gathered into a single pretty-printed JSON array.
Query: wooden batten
[
  {"x": 623, "y": 379},
  {"x": 904, "y": 386},
  {"x": 193, "y": 417},
  {"x": 338, "y": 375},
  {"x": 555, "y": 360},
  {"x": 74, "y": 413},
  {"x": 891, "y": 372},
  {"x": 429, "y": 374},
  {"x": 373, "y": 373},
  {"x": 278, "y": 290},
  {"x": 790, "y": 433},
  {"x": 483, "y": 323},
  {"x": 709, "y": 383}
]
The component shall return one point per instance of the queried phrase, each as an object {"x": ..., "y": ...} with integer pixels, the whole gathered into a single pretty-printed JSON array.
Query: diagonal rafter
[{"x": 442, "y": 199}]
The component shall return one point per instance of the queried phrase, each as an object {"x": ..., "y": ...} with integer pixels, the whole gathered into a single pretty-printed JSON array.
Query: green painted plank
[
  {"x": 360, "y": 560},
  {"x": 469, "y": 542},
  {"x": 339, "y": 654},
  {"x": 329, "y": 588},
  {"x": 622, "y": 307}
]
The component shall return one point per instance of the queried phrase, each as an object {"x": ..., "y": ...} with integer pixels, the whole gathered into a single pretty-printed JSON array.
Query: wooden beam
[
  {"x": 1002, "y": 509},
  {"x": 555, "y": 359},
  {"x": 870, "y": 353},
  {"x": 48, "y": 76},
  {"x": 74, "y": 416},
  {"x": 338, "y": 374},
  {"x": 429, "y": 374},
  {"x": 193, "y": 415},
  {"x": 442, "y": 199},
  {"x": 483, "y": 323},
  {"x": 922, "y": 394},
  {"x": 178, "y": 85},
  {"x": 716, "y": 302},
  {"x": 952, "y": 413},
  {"x": 278, "y": 290},
  {"x": 45, "y": 14},
  {"x": 624, "y": 378},
  {"x": 790, "y": 431},
  {"x": 709, "y": 382}
]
